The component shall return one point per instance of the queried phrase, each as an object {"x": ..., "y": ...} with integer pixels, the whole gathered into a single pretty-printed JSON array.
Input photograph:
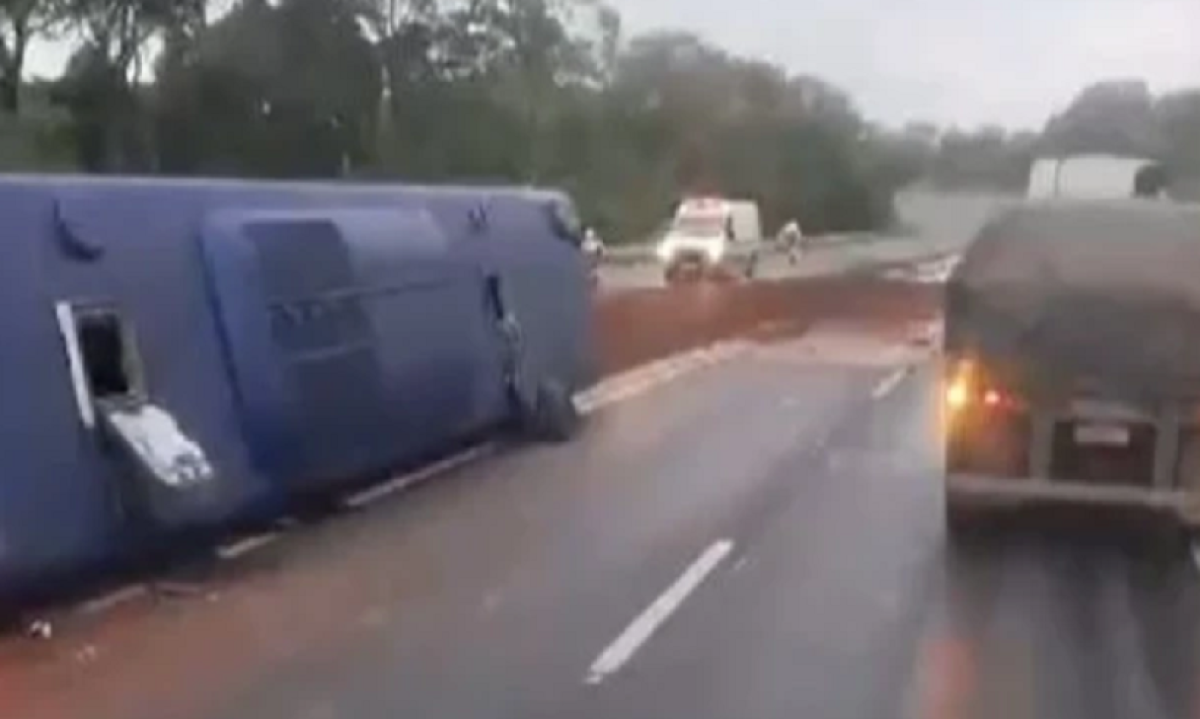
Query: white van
[{"x": 711, "y": 236}]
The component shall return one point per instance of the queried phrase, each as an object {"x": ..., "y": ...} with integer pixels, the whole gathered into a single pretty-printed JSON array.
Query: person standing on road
[
  {"x": 593, "y": 247},
  {"x": 590, "y": 242},
  {"x": 791, "y": 238}
]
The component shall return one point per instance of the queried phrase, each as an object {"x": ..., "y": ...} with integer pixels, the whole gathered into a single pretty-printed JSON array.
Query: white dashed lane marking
[
  {"x": 889, "y": 383},
  {"x": 245, "y": 546},
  {"x": 627, "y": 644}
]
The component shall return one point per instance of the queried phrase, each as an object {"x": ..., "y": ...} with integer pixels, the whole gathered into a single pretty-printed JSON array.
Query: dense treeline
[
  {"x": 525, "y": 91},
  {"x": 1120, "y": 117},
  {"x": 514, "y": 91}
]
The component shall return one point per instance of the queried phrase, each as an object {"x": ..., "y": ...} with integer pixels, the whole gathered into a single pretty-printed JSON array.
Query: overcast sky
[{"x": 965, "y": 62}]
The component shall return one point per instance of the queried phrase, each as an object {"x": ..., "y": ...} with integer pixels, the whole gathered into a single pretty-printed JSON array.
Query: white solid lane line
[
  {"x": 245, "y": 546},
  {"x": 392, "y": 486},
  {"x": 640, "y": 380},
  {"x": 889, "y": 383},
  {"x": 113, "y": 599},
  {"x": 640, "y": 630}
]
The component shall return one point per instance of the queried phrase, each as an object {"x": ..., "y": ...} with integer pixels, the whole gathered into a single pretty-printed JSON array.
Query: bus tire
[{"x": 552, "y": 416}]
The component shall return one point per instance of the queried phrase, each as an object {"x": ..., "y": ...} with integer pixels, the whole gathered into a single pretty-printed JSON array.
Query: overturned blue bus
[{"x": 179, "y": 356}]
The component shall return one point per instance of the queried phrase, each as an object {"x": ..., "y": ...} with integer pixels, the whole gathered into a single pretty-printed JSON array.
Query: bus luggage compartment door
[
  {"x": 299, "y": 345},
  {"x": 348, "y": 342}
]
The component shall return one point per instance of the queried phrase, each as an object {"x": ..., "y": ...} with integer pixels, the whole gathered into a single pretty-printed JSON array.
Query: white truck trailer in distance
[{"x": 1090, "y": 177}]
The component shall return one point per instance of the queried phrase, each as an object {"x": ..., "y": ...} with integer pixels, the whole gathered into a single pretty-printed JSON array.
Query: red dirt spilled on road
[{"x": 640, "y": 326}]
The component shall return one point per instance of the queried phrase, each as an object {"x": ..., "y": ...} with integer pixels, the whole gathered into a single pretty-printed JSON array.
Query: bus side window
[{"x": 102, "y": 356}]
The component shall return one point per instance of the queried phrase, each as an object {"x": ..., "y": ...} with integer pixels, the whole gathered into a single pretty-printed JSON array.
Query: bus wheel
[{"x": 552, "y": 416}]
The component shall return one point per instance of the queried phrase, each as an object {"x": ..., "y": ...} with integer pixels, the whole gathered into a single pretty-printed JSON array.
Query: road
[
  {"x": 754, "y": 535},
  {"x": 820, "y": 260},
  {"x": 751, "y": 531}
]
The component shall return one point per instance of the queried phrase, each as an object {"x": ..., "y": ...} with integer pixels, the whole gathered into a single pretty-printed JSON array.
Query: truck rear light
[
  {"x": 958, "y": 394},
  {"x": 967, "y": 386},
  {"x": 960, "y": 388}
]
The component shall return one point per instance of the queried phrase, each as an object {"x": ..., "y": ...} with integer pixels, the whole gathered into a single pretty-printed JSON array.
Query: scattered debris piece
[{"x": 39, "y": 629}]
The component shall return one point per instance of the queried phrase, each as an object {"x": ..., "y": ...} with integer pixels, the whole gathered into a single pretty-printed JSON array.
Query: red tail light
[{"x": 967, "y": 386}]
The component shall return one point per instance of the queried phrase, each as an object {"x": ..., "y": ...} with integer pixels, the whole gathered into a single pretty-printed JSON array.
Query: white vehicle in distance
[
  {"x": 711, "y": 238},
  {"x": 1094, "y": 177}
]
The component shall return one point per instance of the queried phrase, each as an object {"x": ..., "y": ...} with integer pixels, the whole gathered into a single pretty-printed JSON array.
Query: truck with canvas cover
[
  {"x": 1071, "y": 365},
  {"x": 185, "y": 355}
]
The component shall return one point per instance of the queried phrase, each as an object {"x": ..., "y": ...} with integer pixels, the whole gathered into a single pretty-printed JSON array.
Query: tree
[
  {"x": 1179, "y": 119},
  {"x": 266, "y": 80},
  {"x": 212, "y": 96},
  {"x": 116, "y": 32},
  {"x": 537, "y": 57},
  {"x": 529, "y": 91},
  {"x": 987, "y": 158},
  {"x": 20, "y": 22},
  {"x": 326, "y": 90},
  {"x": 710, "y": 122},
  {"x": 99, "y": 87},
  {"x": 901, "y": 158},
  {"x": 1111, "y": 117}
]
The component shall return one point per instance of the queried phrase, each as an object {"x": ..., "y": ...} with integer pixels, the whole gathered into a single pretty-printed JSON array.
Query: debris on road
[
  {"x": 87, "y": 654},
  {"x": 935, "y": 272},
  {"x": 40, "y": 629}
]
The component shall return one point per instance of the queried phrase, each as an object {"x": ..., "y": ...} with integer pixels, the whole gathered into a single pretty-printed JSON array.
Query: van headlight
[
  {"x": 716, "y": 253},
  {"x": 664, "y": 251}
]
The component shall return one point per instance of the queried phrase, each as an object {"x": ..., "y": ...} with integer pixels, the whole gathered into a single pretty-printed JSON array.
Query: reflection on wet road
[
  {"x": 1044, "y": 628},
  {"x": 762, "y": 538}
]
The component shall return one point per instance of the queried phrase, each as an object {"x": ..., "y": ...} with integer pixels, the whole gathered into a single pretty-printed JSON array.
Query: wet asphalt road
[{"x": 494, "y": 591}]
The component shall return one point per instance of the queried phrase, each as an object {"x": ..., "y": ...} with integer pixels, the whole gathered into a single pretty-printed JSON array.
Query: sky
[{"x": 952, "y": 62}]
